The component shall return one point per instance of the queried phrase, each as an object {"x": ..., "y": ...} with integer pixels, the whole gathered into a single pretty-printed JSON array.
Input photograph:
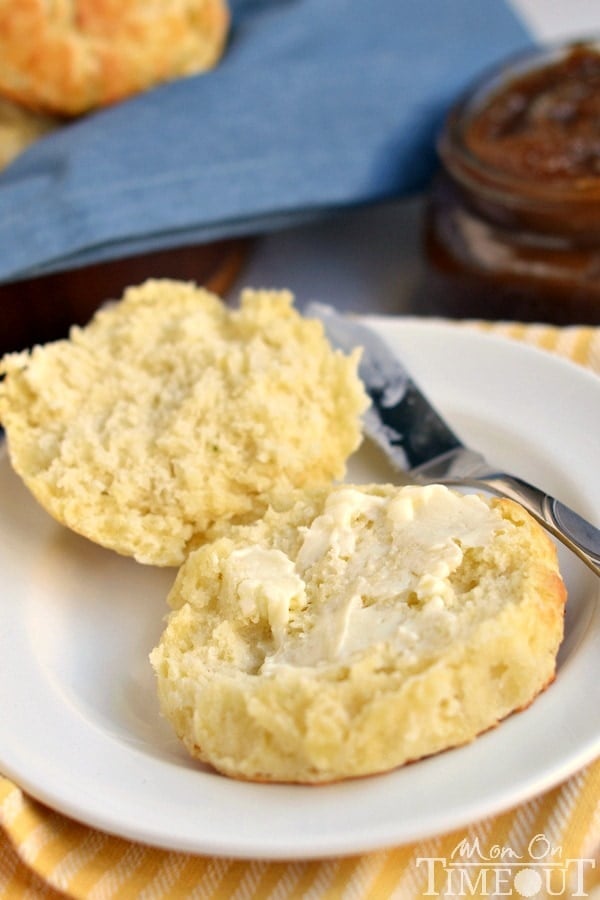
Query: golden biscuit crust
[
  {"x": 171, "y": 414},
  {"x": 355, "y": 629},
  {"x": 71, "y": 56}
]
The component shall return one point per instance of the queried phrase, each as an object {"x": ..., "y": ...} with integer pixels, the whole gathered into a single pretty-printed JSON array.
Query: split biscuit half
[
  {"x": 170, "y": 415},
  {"x": 354, "y": 629}
]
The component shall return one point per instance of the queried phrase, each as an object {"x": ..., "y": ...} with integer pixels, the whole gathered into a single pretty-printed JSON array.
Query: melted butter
[
  {"x": 333, "y": 530},
  {"x": 265, "y": 585},
  {"x": 378, "y": 570}
]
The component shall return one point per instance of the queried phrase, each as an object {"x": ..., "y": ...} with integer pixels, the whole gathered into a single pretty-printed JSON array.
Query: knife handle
[{"x": 569, "y": 527}]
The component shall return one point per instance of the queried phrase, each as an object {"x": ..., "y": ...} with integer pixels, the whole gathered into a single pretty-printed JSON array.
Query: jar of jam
[{"x": 512, "y": 224}]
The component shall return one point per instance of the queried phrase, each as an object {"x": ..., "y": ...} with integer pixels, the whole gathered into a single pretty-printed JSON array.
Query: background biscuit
[
  {"x": 19, "y": 127},
  {"x": 72, "y": 56}
]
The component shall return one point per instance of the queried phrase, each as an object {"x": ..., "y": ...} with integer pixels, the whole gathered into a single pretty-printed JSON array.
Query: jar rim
[{"x": 468, "y": 168}]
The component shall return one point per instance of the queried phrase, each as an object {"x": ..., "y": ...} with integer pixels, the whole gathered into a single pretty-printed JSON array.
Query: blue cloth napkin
[{"x": 317, "y": 105}]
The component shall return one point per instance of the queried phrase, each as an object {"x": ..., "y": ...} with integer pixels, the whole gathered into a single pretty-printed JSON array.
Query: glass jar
[{"x": 512, "y": 224}]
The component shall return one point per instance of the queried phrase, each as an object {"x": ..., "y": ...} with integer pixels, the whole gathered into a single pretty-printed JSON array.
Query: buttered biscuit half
[{"x": 352, "y": 630}]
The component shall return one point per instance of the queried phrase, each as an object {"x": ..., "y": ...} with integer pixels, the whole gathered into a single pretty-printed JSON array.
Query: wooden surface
[{"x": 43, "y": 309}]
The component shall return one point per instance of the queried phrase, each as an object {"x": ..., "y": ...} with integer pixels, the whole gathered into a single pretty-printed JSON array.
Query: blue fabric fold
[{"x": 316, "y": 105}]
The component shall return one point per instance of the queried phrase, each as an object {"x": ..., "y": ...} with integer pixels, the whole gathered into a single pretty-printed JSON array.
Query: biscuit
[
  {"x": 170, "y": 415},
  {"x": 19, "y": 128},
  {"x": 354, "y": 629},
  {"x": 70, "y": 57}
]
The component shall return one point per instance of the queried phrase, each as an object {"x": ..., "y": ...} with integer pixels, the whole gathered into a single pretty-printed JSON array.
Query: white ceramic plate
[{"x": 80, "y": 728}]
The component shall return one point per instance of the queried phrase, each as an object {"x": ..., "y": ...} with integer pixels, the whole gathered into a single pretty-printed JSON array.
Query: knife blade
[{"x": 418, "y": 442}]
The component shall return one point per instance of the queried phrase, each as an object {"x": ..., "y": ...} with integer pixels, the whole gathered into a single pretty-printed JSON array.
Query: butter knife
[{"x": 417, "y": 441}]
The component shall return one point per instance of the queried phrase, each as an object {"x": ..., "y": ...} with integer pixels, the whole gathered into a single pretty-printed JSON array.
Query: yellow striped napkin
[{"x": 45, "y": 855}]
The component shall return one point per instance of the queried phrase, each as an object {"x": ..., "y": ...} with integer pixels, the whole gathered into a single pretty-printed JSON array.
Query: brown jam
[
  {"x": 513, "y": 219},
  {"x": 544, "y": 125}
]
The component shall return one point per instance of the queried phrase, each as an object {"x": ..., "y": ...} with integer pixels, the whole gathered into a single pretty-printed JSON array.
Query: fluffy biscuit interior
[{"x": 170, "y": 414}]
